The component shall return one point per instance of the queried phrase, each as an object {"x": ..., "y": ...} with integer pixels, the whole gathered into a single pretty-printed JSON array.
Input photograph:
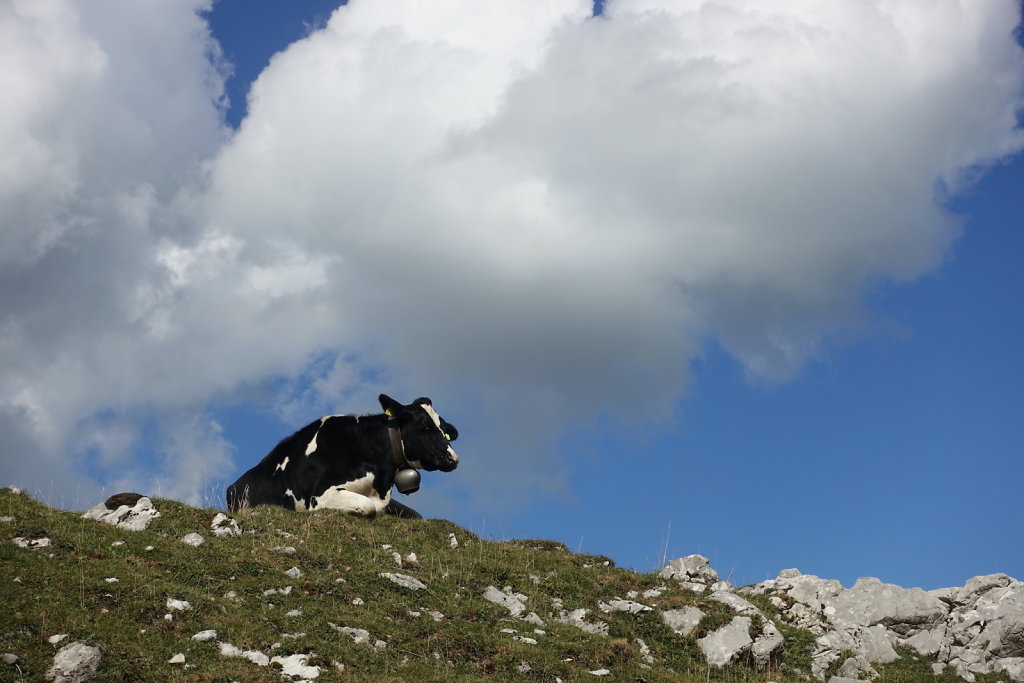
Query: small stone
[
  {"x": 53, "y": 640},
  {"x": 148, "y": 548},
  {"x": 358, "y": 601},
  {"x": 600, "y": 672},
  {"x": 405, "y": 581},
  {"x": 204, "y": 636},
  {"x": 294, "y": 613},
  {"x": 532, "y": 618},
  {"x": 618, "y": 605},
  {"x": 9, "y": 658},
  {"x": 116, "y": 544},
  {"x": 75, "y": 662},
  {"x": 297, "y": 666},
  {"x": 508, "y": 599},
  {"x": 179, "y": 605},
  {"x": 194, "y": 540},
  {"x": 523, "y": 667},
  {"x": 682, "y": 621},
  {"x": 258, "y": 658},
  {"x": 177, "y": 659},
  {"x": 223, "y": 526},
  {"x": 112, "y": 579},
  {"x": 452, "y": 541},
  {"x": 294, "y": 572}
]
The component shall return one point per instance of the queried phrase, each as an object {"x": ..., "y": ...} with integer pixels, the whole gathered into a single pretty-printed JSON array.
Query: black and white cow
[{"x": 349, "y": 463}]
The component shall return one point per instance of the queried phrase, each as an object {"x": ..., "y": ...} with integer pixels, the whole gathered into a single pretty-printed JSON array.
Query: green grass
[{"x": 62, "y": 589}]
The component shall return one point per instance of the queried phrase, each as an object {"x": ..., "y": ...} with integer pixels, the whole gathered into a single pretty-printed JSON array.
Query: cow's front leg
[{"x": 338, "y": 498}]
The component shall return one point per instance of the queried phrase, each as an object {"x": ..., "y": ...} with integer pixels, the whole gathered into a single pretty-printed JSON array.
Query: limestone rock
[
  {"x": 690, "y": 569},
  {"x": 767, "y": 646},
  {"x": 359, "y": 636},
  {"x": 735, "y": 602},
  {"x": 682, "y": 621},
  {"x": 223, "y": 526},
  {"x": 872, "y": 602},
  {"x": 727, "y": 644},
  {"x": 134, "y": 517},
  {"x": 618, "y": 605},
  {"x": 578, "y": 618},
  {"x": 405, "y": 581},
  {"x": 194, "y": 540},
  {"x": 296, "y": 665},
  {"x": 857, "y": 668},
  {"x": 254, "y": 656},
  {"x": 509, "y": 599},
  {"x": 74, "y": 663}
]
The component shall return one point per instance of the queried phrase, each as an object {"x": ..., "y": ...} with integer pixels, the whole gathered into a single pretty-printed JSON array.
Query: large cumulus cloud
[{"x": 532, "y": 211}]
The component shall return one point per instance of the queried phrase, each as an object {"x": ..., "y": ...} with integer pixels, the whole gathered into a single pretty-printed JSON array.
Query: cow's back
[{"x": 267, "y": 482}]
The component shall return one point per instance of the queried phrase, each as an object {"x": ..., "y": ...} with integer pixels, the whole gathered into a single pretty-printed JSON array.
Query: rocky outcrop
[
  {"x": 978, "y": 628},
  {"x": 74, "y": 663},
  {"x": 130, "y": 511},
  {"x": 750, "y": 634}
]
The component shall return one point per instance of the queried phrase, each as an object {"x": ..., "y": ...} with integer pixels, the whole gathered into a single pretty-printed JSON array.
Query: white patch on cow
[
  {"x": 356, "y": 497},
  {"x": 433, "y": 414},
  {"x": 300, "y": 504},
  {"x": 437, "y": 423},
  {"x": 311, "y": 446},
  {"x": 281, "y": 465}
]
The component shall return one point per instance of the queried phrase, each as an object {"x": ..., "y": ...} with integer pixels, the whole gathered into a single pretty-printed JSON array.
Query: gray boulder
[
  {"x": 767, "y": 646},
  {"x": 682, "y": 621},
  {"x": 872, "y": 602},
  {"x": 695, "y": 569},
  {"x": 125, "y": 511},
  {"x": 727, "y": 644},
  {"x": 74, "y": 663}
]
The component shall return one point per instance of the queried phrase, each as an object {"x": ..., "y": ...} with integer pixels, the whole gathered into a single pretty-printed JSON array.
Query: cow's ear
[
  {"x": 449, "y": 430},
  {"x": 422, "y": 401},
  {"x": 390, "y": 405}
]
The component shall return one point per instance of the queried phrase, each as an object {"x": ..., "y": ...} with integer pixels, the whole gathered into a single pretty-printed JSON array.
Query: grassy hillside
[{"x": 240, "y": 587}]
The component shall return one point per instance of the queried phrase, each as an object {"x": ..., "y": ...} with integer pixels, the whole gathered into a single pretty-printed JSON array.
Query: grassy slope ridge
[{"x": 64, "y": 589}]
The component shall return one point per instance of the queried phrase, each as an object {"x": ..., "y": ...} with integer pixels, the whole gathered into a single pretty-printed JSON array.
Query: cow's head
[{"x": 425, "y": 436}]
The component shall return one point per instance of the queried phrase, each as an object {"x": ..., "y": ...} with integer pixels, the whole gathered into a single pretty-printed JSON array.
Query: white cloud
[{"x": 519, "y": 207}]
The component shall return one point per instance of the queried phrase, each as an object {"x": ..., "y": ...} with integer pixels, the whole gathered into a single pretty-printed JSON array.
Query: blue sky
[{"x": 691, "y": 279}]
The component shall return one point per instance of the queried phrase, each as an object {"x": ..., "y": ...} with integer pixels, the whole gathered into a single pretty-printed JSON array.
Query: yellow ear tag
[
  {"x": 448, "y": 437},
  {"x": 388, "y": 412}
]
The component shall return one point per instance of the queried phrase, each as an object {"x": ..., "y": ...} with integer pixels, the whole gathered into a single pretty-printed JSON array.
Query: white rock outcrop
[
  {"x": 514, "y": 602},
  {"x": 682, "y": 621},
  {"x": 125, "y": 510},
  {"x": 223, "y": 526},
  {"x": 976, "y": 629},
  {"x": 725, "y": 645},
  {"x": 74, "y": 663}
]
